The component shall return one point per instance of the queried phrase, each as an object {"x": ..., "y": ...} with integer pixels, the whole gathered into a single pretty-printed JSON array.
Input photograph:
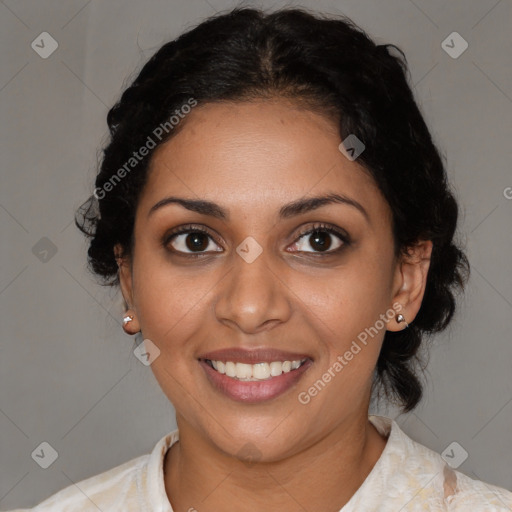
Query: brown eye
[
  {"x": 321, "y": 239},
  {"x": 189, "y": 240}
]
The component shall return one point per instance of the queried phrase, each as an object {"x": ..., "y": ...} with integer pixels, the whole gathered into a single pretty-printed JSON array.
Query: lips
[{"x": 253, "y": 375}]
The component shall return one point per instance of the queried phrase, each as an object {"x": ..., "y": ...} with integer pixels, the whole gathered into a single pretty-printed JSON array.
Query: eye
[
  {"x": 190, "y": 239},
  {"x": 194, "y": 240},
  {"x": 319, "y": 238}
]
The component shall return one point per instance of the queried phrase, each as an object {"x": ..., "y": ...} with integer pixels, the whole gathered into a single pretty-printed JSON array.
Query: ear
[
  {"x": 125, "y": 283},
  {"x": 410, "y": 281},
  {"x": 125, "y": 274}
]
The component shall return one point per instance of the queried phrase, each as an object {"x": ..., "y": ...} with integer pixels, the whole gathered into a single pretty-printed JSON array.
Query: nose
[{"x": 253, "y": 297}]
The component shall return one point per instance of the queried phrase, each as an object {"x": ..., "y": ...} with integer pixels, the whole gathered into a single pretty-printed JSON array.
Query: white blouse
[{"x": 408, "y": 477}]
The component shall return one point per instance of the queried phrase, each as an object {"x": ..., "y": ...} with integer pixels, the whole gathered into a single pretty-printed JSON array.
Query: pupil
[
  {"x": 193, "y": 241},
  {"x": 319, "y": 238}
]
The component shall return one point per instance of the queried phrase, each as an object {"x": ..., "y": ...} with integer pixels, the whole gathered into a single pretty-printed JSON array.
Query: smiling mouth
[{"x": 254, "y": 372}]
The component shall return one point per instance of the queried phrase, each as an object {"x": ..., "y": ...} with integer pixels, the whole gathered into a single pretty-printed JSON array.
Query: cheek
[
  {"x": 347, "y": 299},
  {"x": 170, "y": 302},
  {"x": 345, "y": 311},
  {"x": 171, "y": 312}
]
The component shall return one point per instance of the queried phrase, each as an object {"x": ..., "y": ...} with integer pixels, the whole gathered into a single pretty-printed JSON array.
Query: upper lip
[{"x": 252, "y": 356}]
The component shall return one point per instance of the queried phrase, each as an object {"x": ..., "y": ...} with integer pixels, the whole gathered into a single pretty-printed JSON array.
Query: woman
[{"x": 280, "y": 224}]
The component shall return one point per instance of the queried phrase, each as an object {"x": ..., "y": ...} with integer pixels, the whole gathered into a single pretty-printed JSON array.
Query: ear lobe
[{"x": 412, "y": 278}]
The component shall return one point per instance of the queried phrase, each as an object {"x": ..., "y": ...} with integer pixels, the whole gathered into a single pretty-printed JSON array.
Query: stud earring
[
  {"x": 127, "y": 319},
  {"x": 400, "y": 318}
]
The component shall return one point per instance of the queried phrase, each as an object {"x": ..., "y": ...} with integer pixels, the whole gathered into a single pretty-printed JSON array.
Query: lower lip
[{"x": 254, "y": 391}]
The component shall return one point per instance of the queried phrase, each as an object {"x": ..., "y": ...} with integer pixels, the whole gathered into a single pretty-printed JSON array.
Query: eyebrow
[{"x": 298, "y": 207}]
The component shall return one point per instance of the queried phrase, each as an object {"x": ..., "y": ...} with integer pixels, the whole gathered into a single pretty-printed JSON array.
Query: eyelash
[{"x": 322, "y": 227}]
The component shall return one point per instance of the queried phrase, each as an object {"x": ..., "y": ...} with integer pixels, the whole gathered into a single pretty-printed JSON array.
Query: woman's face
[{"x": 254, "y": 288}]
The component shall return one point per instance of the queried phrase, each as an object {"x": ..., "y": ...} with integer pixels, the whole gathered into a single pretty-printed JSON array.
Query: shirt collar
[{"x": 154, "y": 485}]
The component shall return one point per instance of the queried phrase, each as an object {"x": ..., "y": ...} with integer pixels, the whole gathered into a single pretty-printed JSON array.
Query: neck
[{"x": 322, "y": 477}]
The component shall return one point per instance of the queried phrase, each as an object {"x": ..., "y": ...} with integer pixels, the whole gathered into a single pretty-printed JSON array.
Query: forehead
[{"x": 257, "y": 155}]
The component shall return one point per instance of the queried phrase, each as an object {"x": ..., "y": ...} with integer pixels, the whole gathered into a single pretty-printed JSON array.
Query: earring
[
  {"x": 127, "y": 319},
  {"x": 400, "y": 318}
]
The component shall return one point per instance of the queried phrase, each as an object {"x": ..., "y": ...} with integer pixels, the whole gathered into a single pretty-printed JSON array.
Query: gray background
[{"x": 68, "y": 373}]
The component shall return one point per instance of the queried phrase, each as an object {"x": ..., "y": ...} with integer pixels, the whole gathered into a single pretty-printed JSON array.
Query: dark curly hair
[{"x": 333, "y": 67}]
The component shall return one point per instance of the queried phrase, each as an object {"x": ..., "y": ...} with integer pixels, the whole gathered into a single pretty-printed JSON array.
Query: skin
[{"x": 253, "y": 158}]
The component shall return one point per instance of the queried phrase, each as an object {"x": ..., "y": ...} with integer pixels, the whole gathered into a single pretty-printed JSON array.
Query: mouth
[{"x": 253, "y": 376}]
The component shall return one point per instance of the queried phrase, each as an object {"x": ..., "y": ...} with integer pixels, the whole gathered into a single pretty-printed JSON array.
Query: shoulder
[
  {"x": 135, "y": 485},
  {"x": 411, "y": 477},
  {"x": 109, "y": 490},
  {"x": 476, "y": 495},
  {"x": 445, "y": 488}
]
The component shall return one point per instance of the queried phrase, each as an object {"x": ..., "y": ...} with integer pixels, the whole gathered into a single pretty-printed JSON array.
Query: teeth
[
  {"x": 230, "y": 369},
  {"x": 276, "y": 368},
  {"x": 243, "y": 371},
  {"x": 258, "y": 371}
]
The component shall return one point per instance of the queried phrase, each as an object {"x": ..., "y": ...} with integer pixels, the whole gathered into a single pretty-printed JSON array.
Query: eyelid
[
  {"x": 188, "y": 228},
  {"x": 325, "y": 226}
]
